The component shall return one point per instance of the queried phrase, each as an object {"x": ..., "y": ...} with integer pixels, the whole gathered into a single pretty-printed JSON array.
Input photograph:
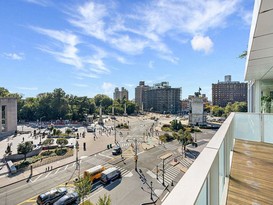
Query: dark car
[
  {"x": 70, "y": 198},
  {"x": 117, "y": 150},
  {"x": 51, "y": 196}
]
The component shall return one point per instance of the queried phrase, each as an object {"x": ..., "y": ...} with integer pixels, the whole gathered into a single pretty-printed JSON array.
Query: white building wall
[{"x": 11, "y": 113}]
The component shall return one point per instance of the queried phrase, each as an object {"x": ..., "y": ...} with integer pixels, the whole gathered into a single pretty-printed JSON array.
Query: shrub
[{"x": 60, "y": 152}]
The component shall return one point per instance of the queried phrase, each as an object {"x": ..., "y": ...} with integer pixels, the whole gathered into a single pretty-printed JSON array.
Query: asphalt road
[{"x": 133, "y": 188}]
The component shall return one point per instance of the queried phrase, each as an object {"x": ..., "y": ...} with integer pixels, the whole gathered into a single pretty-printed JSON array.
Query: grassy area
[{"x": 46, "y": 156}]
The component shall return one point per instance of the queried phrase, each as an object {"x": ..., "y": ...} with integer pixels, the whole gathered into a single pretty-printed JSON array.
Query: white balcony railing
[{"x": 206, "y": 181}]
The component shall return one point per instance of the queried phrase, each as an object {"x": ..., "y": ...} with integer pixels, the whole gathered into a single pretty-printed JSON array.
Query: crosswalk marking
[{"x": 170, "y": 175}]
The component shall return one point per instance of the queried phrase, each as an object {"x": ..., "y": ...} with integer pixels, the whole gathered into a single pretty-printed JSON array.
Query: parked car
[
  {"x": 116, "y": 150},
  {"x": 70, "y": 198},
  {"x": 109, "y": 175},
  {"x": 51, "y": 196},
  {"x": 74, "y": 129}
]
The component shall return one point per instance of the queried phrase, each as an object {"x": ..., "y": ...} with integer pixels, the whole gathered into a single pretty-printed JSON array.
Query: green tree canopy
[
  {"x": 83, "y": 187},
  {"x": 24, "y": 148},
  {"x": 105, "y": 200}
]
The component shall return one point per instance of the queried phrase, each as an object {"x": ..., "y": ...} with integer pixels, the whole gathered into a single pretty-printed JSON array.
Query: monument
[
  {"x": 100, "y": 118},
  {"x": 8, "y": 116}
]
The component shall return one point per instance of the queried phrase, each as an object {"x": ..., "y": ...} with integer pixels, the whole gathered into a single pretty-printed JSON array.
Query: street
[{"x": 135, "y": 186}]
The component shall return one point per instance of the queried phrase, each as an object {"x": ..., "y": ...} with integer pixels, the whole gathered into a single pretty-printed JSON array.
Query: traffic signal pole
[{"x": 136, "y": 157}]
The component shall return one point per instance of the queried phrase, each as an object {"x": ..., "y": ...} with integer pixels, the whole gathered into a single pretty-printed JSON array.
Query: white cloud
[
  {"x": 39, "y": 2},
  {"x": 202, "y": 43},
  {"x": 14, "y": 56},
  {"x": 151, "y": 64},
  {"x": 108, "y": 88},
  {"x": 80, "y": 85},
  {"x": 247, "y": 17},
  {"x": 65, "y": 49},
  {"x": 27, "y": 88},
  {"x": 89, "y": 18}
]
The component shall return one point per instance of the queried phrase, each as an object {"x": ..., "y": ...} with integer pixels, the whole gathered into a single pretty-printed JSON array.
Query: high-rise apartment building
[
  {"x": 120, "y": 94},
  {"x": 228, "y": 91},
  {"x": 162, "y": 98},
  {"x": 139, "y": 93}
]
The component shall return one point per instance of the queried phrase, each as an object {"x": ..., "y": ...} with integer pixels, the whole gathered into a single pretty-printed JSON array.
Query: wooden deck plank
[{"x": 251, "y": 180}]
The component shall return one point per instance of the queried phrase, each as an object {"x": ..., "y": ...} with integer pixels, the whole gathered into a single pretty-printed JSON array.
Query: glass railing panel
[
  {"x": 268, "y": 128},
  {"x": 247, "y": 126},
  {"x": 203, "y": 195},
  {"x": 221, "y": 170}
]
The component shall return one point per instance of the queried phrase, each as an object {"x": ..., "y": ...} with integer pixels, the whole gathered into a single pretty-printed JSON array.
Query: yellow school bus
[{"x": 94, "y": 172}]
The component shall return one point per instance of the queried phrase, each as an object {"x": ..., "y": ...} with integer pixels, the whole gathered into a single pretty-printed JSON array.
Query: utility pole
[
  {"x": 157, "y": 172},
  {"x": 115, "y": 132},
  {"x": 136, "y": 157},
  {"x": 163, "y": 173},
  {"x": 77, "y": 159},
  {"x": 152, "y": 191}
]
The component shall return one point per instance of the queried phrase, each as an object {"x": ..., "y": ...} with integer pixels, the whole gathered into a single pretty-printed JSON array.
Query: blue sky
[{"x": 91, "y": 47}]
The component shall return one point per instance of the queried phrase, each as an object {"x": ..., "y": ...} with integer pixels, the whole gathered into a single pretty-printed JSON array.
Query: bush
[
  {"x": 23, "y": 164},
  {"x": 47, "y": 153},
  {"x": 60, "y": 152},
  {"x": 166, "y": 137},
  {"x": 166, "y": 128}
]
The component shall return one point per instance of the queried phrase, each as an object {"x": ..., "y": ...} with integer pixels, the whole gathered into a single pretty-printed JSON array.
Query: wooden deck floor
[{"x": 251, "y": 179}]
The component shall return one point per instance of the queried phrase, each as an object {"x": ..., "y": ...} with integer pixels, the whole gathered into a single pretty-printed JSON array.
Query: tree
[
  {"x": 4, "y": 92},
  {"x": 105, "y": 200},
  {"x": 68, "y": 131},
  {"x": 243, "y": 55},
  {"x": 62, "y": 142},
  {"x": 48, "y": 142},
  {"x": 24, "y": 148},
  {"x": 185, "y": 138},
  {"x": 83, "y": 187}
]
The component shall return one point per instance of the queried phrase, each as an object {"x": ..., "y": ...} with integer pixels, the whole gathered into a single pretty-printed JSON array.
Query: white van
[{"x": 110, "y": 174}]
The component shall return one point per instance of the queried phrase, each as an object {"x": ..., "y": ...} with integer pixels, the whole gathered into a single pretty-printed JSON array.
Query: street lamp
[
  {"x": 40, "y": 129},
  {"x": 152, "y": 191}
]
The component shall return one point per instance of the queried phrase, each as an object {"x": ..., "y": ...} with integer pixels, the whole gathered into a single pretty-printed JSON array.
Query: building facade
[
  {"x": 120, "y": 94},
  {"x": 8, "y": 115},
  {"x": 139, "y": 90},
  {"x": 162, "y": 98},
  {"x": 197, "y": 115},
  {"x": 228, "y": 91}
]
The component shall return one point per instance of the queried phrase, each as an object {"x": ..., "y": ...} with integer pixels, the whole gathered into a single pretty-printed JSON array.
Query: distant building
[
  {"x": 228, "y": 91},
  {"x": 162, "y": 98},
  {"x": 120, "y": 94},
  {"x": 197, "y": 115},
  {"x": 8, "y": 116},
  {"x": 185, "y": 106},
  {"x": 139, "y": 93}
]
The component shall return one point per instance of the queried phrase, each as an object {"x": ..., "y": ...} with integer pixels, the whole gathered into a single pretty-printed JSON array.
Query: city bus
[{"x": 94, "y": 173}]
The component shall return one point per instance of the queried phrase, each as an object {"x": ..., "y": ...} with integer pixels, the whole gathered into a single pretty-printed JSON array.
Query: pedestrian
[
  {"x": 23, "y": 139},
  {"x": 46, "y": 169},
  {"x": 51, "y": 167},
  {"x": 94, "y": 138}
]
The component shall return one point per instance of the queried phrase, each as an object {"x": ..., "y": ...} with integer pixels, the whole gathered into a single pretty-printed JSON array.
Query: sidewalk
[{"x": 92, "y": 147}]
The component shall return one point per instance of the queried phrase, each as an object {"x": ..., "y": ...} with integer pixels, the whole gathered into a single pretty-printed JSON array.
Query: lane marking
[
  {"x": 105, "y": 156},
  {"x": 48, "y": 174},
  {"x": 57, "y": 170},
  {"x": 65, "y": 167},
  {"x": 37, "y": 177}
]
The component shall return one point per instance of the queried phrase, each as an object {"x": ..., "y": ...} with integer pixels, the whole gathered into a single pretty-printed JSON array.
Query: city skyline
[{"x": 91, "y": 47}]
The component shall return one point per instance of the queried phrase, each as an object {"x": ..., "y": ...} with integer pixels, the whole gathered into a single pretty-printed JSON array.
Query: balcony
[{"x": 234, "y": 168}]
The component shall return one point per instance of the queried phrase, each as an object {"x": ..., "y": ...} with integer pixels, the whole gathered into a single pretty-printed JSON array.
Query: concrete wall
[
  {"x": 11, "y": 114},
  {"x": 16, "y": 157}
]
